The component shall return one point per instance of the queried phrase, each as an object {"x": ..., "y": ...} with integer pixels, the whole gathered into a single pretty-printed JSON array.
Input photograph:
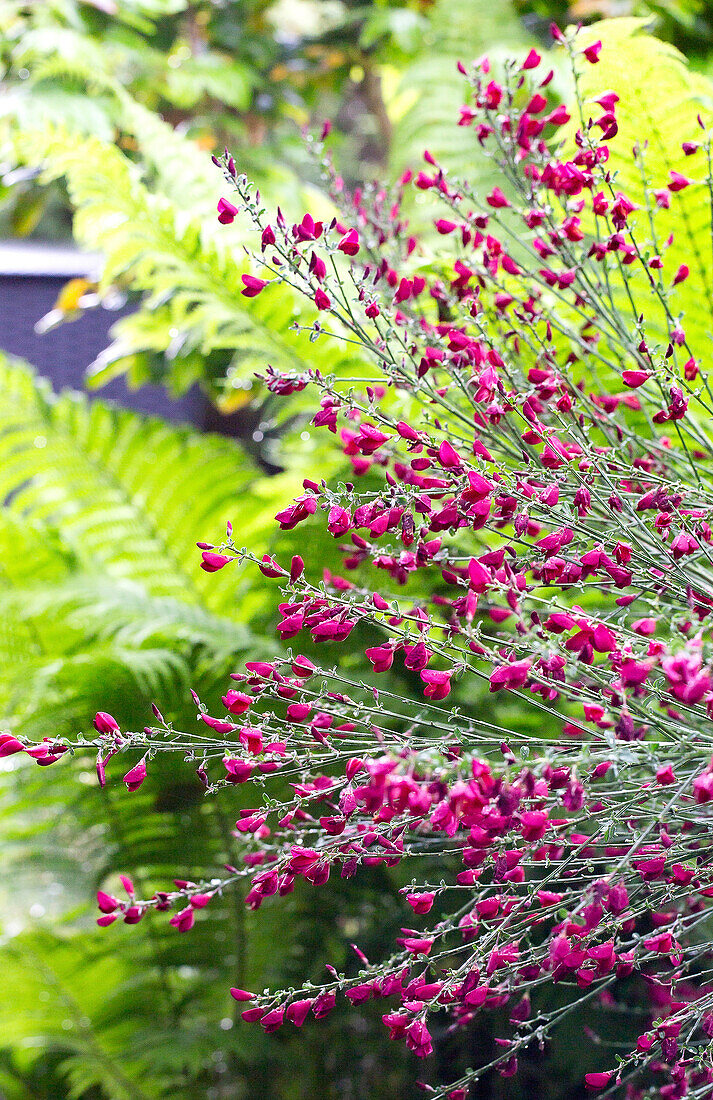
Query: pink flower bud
[
  {"x": 597, "y": 1081},
  {"x": 510, "y": 676},
  {"x": 381, "y": 657},
  {"x": 271, "y": 1021},
  {"x": 353, "y": 767},
  {"x": 184, "y": 920},
  {"x": 127, "y": 884},
  {"x": 104, "y": 723},
  {"x": 297, "y": 712},
  {"x": 592, "y": 52},
  {"x": 438, "y": 684},
  {"x": 270, "y": 568},
  {"x": 634, "y": 378},
  {"x": 449, "y": 457},
  {"x": 496, "y": 198},
  {"x": 298, "y": 1011},
  {"x": 236, "y": 702},
  {"x": 678, "y": 182},
  {"x": 303, "y": 667},
  {"x": 239, "y": 771},
  {"x": 217, "y": 724},
  {"x": 420, "y": 903},
  {"x": 532, "y": 60},
  {"x": 681, "y": 275}
]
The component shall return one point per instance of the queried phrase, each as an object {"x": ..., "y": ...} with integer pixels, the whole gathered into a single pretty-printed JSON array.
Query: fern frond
[
  {"x": 166, "y": 254},
  {"x": 430, "y": 91},
  {"x": 127, "y": 493},
  {"x": 659, "y": 96},
  {"x": 102, "y": 600}
]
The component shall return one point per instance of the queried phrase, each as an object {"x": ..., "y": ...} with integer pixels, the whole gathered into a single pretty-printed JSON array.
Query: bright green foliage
[
  {"x": 85, "y": 92},
  {"x": 687, "y": 24},
  {"x": 102, "y": 590},
  {"x": 202, "y": 63},
  {"x": 171, "y": 55}
]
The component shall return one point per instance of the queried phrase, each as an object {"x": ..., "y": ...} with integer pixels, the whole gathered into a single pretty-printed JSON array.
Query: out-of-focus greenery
[
  {"x": 241, "y": 72},
  {"x": 687, "y": 24},
  {"x": 660, "y": 101},
  {"x": 120, "y": 106}
]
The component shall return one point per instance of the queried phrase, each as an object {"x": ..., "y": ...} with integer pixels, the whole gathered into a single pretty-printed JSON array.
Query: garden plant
[{"x": 526, "y": 529}]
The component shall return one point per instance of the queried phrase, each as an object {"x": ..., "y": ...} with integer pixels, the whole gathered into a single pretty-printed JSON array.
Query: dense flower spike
[{"x": 513, "y": 528}]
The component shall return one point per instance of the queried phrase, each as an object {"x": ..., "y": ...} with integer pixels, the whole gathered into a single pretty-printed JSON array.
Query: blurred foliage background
[{"x": 109, "y": 110}]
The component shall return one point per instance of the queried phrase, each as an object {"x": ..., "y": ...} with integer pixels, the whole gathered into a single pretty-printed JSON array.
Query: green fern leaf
[
  {"x": 659, "y": 97},
  {"x": 428, "y": 96}
]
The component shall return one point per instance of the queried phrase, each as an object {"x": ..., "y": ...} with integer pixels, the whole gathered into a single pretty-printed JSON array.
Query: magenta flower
[
  {"x": 184, "y": 920},
  {"x": 135, "y": 777},
  {"x": 677, "y": 181},
  {"x": 634, "y": 378},
  {"x": 252, "y": 286},
  {"x": 236, "y": 702},
  {"x": 227, "y": 213},
  {"x": 106, "y": 902},
  {"x": 497, "y": 199},
  {"x": 239, "y": 771},
  {"x": 597, "y": 1081},
  {"x": 592, "y": 52},
  {"x": 510, "y": 676},
  {"x": 211, "y": 562},
  {"x": 532, "y": 60},
  {"x": 298, "y": 1011},
  {"x": 421, "y": 903},
  {"x": 9, "y": 745},
  {"x": 438, "y": 684},
  {"x": 349, "y": 244}
]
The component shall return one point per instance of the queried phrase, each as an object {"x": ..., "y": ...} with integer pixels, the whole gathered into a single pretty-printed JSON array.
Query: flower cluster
[{"x": 530, "y": 521}]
